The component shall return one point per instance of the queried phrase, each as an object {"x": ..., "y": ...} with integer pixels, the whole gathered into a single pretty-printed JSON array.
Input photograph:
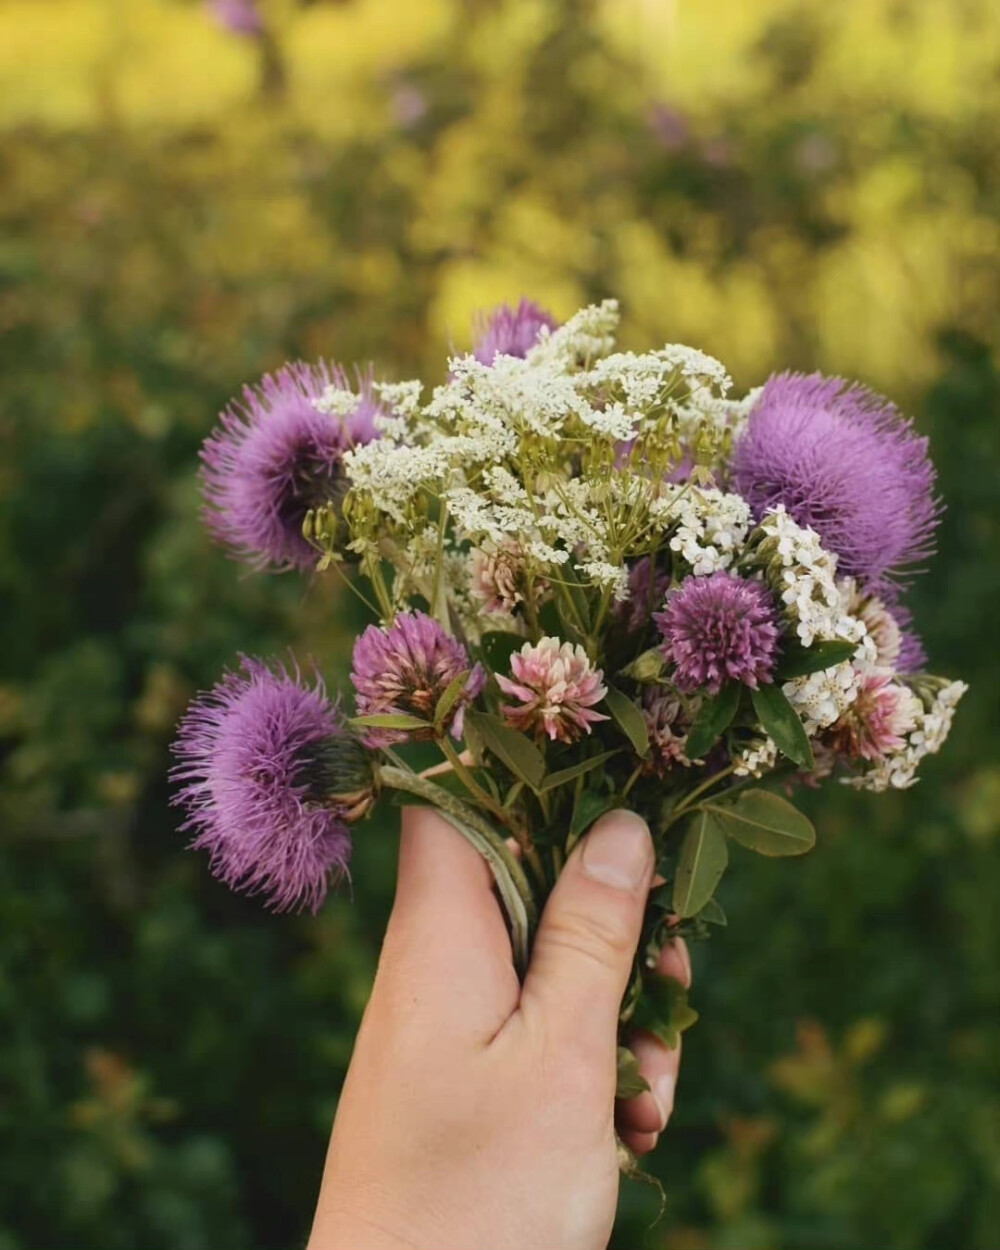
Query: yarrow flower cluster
[{"x": 597, "y": 578}]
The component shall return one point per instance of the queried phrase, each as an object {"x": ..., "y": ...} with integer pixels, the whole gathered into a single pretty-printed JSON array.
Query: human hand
[{"x": 479, "y": 1113}]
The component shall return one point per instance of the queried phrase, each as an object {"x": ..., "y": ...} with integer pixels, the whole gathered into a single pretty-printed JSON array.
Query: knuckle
[{"x": 603, "y": 937}]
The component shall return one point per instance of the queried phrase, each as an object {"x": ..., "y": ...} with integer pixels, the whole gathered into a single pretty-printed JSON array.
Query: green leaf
[
  {"x": 629, "y": 719},
  {"x": 702, "y": 862},
  {"x": 512, "y": 748},
  {"x": 570, "y": 774},
  {"x": 390, "y": 720},
  {"x": 712, "y": 913},
  {"x": 779, "y": 719},
  {"x": 498, "y": 646},
  {"x": 799, "y": 661},
  {"x": 630, "y": 1082},
  {"x": 588, "y": 807},
  {"x": 765, "y": 823},
  {"x": 714, "y": 717},
  {"x": 663, "y": 1010},
  {"x": 448, "y": 697}
]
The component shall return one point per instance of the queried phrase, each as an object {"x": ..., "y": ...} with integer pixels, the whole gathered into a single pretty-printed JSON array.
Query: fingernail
[
  {"x": 662, "y": 1089},
  {"x": 618, "y": 851}
]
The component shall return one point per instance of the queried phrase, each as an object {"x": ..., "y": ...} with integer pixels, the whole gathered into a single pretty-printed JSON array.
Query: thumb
[{"x": 587, "y": 938}]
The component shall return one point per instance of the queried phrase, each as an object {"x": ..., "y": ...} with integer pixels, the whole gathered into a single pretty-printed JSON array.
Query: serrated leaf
[
  {"x": 448, "y": 696},
  {"x": 587, "y": 809},
  {"x": 498, "y": 646},
  {"x": 663, "y": 1010},
  {"x": 570, "y": 774},
  {"x": 390, "y": 720},
  {"x": 712, "y": 913},
  {"x": 702, "y": 861},
  {"x": 765, "y": 823},
  {"x": 521, "y": 756},
  {"x": 779, "y": 719},
  {"x": 631, "y": 1083},
  {"x": 629, "y": 719},
  {"x": 714, "y": 717},
  {"x": 799, "y": 661}
]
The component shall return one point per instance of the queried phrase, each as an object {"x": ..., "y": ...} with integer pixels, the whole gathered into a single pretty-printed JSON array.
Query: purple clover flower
[
  {"x": 247, "y": 753},
  {"x": 242, "y": 17},
  {"x": 718, "y": 629},
  {"x": 510, "y": 331},
  {"x": 274, "y": 456},
  {"x": 405, "y": 668},
  {"x": 843, "y": 460}
]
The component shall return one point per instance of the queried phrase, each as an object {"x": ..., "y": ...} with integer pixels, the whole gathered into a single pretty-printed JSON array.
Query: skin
[{"x": 479, "y": 1113}]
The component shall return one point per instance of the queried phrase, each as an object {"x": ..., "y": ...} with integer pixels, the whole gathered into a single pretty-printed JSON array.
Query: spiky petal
[
  {"x": 844, "y": 461},
  {"x": 246, "y": 755},
  {"x": 556, "y": 688},
  {"x": 406, "y": 668},
  {"x": 275, "y": 455},
  {"x": 510, "y": 331},
  {"x": 718, "y": 629}
]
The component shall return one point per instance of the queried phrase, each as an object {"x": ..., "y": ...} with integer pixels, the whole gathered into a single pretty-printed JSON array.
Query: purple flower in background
[
  {"x": 669, "y": 126},
  {"x": 257, "y": 796},
  {"x": 634, "y": 614},
  {"x": 406, "y": 668},
  {"x": 844, "y": 461},
  {"x": 510, "y": 331},
  {"x": 912, "y": 656},
  {"x": 274, "y": 456},
  {"x": 240, "y": 16},
  {"x": 717, "y": 629}
]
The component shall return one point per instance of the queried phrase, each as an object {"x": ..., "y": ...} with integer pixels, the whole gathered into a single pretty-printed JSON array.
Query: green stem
[
  {"x": 512, "y": 884},
  {"x": 696, "y": 793},
  {"x": 464, "y": 774}
]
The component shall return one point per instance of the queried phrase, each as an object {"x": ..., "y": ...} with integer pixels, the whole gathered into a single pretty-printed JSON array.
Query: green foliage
[{"x": 822, "y": 192}]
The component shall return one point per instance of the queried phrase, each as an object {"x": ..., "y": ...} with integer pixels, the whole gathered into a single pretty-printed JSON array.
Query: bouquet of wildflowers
[{"x": 597, "y": 580}]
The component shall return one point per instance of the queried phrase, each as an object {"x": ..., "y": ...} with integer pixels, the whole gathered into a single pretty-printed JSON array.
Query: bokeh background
[{"x": 188, "y": 197}]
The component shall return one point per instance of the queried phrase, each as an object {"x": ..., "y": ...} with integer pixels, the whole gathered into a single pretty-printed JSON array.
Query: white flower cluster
[
  {"x": 756, "y": 759},
  {"x": 711, "y": 525},
  {"x": 337, "y": 401},
  {"x": 588, "y": 335}
]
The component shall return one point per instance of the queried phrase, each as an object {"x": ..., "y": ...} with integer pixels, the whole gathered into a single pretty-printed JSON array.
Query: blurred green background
[{"x": 783, "y": 183}]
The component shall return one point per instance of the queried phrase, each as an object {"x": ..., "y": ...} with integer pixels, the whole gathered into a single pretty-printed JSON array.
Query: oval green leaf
[
  {"x": 765, "y": 823},
  {"x": 714, "y": 716},
  {"x": 779, "y": 719},
  {"x": 799, "y": 661},
  {"x": 703, "y": 859},
  {"x": 510, "y": 747},
  {"x": 629, "y": 720},
  {"x": 390, "y": 720}
]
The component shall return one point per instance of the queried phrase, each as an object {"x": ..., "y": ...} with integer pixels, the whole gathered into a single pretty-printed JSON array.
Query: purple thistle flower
[
  {"x": 274, "y": 456},
  {"x": 406, "y": 668},
  {"x": 843, "y": 460},
  {"x": 510, "y": 331},
  {"x": 257, "y": 778},
  {"x": 912, "y": 657},
  {"x": 239, "y": 16},
  {"x": 717, "y": 629}
]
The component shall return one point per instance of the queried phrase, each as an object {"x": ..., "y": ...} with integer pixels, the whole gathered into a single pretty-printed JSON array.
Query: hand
[{"x": 479, "y": 1114}]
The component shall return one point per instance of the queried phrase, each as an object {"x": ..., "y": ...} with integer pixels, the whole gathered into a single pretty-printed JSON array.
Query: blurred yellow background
[{"x": 192, "y": 193}]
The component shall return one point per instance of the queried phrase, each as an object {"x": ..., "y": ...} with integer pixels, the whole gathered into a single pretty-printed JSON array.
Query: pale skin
[{"x": 479, "y": 1113}]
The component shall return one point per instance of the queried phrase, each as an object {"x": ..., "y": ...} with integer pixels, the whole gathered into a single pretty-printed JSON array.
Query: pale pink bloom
[
  {"x": 557, "y": 687},
  {"x": 498, "y": 577},
  {"x": 877, "y": 722},
  {"x": 882, "y": 626}
]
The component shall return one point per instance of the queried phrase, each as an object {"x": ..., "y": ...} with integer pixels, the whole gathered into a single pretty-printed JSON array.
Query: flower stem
[
  {"x": 512, "y": 884},
  {"x": 687, "y": 803}
]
